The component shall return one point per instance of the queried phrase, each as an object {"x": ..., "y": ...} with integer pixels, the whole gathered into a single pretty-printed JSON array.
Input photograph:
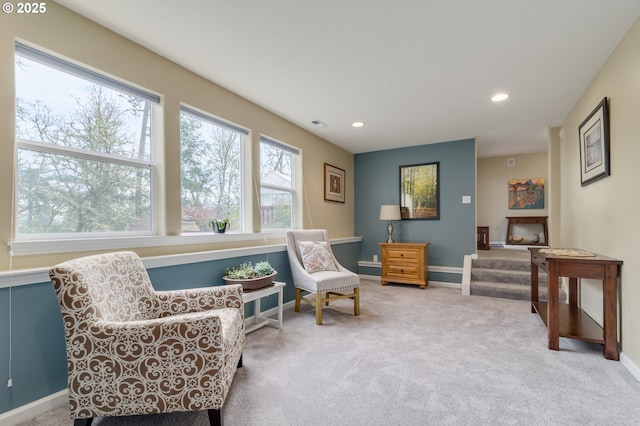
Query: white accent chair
[
  {"x": 327, "y": 286},
  {"x": 133, "y": 350}
]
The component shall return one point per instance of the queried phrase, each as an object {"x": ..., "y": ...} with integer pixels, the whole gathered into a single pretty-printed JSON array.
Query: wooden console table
[
  {"x": 568, "y": 320},
  {"x": 527, "y": 220}
]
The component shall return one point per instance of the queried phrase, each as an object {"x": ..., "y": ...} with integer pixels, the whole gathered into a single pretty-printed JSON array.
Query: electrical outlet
[
  {"x": 375, "y": 257},
  {"x": 466, "y": 199},
  {"x": 9, "y": 383}
]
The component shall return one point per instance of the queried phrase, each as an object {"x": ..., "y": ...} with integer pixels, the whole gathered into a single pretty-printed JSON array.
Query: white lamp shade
[{"x": 390, "y": 212}]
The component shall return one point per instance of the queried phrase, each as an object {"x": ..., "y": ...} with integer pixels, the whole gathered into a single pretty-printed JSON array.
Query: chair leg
[
  {"x": 319, "y": 308},
  {"x": 83, "y": 422},
  {"x": 215, "y": 416},
  {"x": 240, "y": 362},
  {"x": 356, "y": 301},
  {"x": 297, "y": 305}
]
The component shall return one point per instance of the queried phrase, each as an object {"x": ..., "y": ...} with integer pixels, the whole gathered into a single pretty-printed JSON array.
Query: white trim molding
[
  {"x": 432, "y": 268},
  {"x": 41, "y": 275},
  {"x": 431, "y": 282},
  {"x": 630, "y": 365},
  {"x": 466, "y": 274},
  {"x": 35, "y": 408}
]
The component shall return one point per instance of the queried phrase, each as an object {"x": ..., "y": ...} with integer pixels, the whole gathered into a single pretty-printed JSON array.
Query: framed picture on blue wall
[{"x": 419, "y": 191}]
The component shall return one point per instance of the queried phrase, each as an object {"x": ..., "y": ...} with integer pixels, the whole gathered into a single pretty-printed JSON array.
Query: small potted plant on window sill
[
  {"x": 219, "y": 225},
  {"x": 251, "y": 276}
]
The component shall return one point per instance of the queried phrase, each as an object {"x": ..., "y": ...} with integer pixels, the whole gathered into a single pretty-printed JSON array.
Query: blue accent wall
[
  {"x": 39, "y": 358},
  {"x": 377, "y": 176}
]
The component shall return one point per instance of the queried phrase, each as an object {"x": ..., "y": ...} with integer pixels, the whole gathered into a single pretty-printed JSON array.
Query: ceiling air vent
[{"x": 319, "y": 123}]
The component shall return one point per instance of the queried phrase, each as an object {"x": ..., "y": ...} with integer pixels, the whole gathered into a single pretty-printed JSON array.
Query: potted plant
[
  {"x": 251, "y": 276},
  {"x": 219, "y": 225}
]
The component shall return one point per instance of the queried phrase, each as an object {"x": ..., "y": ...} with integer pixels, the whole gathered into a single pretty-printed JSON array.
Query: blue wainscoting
[{"x": 38, "y": 350}]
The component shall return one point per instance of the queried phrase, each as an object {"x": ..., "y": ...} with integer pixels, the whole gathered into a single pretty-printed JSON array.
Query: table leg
[
  {"x": 256, "y": 312},
  {"x": 534, "y": 286},
  {"x": 573, "y": 291},
  {"x": 280, "y": 309},
  {"x": 553, "y": 321},
  {"x": 610, "y": 320}
]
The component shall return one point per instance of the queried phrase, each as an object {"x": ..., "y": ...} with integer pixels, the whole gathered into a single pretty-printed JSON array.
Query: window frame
[
  {"x": 294, "y": 190},
  {"x": 88, "y": 75},
  {"x": 246, "y": 138}
]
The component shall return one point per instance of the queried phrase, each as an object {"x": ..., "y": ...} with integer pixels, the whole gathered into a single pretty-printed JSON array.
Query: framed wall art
[
  {"x": 594, "y": 145},
  {"x": 333, "y": 183},
  {"x": 419, "y": 191},
  {"x": 526, "y": 193}
]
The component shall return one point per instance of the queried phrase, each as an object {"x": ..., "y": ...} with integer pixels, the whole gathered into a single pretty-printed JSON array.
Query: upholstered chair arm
[
  {"x": 131, "y": 340},
  {"x": 200, "y": 299},
  {"x": 166, "y": 364}
]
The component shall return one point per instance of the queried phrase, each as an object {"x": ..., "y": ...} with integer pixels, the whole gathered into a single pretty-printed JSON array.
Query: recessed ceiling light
[
  {"x": 357, "y": 124},
  {"x": 499, "y": 97},
  {"x": 319, "y": 123}
]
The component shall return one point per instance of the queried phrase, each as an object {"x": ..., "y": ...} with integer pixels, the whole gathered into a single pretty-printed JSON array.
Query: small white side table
[{"x": 255, "y": 296}]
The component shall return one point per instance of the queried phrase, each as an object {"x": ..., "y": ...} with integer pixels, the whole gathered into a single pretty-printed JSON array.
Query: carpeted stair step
[
  {"x": 505, "y": 276},
  {"x": 510, "y": 291},
  {"x": 506, "y": 264}
]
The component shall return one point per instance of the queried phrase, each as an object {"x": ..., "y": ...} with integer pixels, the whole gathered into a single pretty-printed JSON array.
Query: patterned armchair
[{"x": 132, "y": 350}]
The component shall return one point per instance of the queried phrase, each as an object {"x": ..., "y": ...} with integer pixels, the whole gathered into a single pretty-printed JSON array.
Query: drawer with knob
[{"x": 405, "y": 263}]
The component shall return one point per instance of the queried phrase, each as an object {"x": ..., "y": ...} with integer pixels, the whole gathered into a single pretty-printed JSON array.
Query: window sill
[{"x": 25, "y": 248}]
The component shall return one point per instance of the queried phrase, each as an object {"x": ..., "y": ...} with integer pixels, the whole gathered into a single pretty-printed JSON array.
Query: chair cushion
[
  {"x": 331, "y": 281},
  {"x": 316, "y": 256}
]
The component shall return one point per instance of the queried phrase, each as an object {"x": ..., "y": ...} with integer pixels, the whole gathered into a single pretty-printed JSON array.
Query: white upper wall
[{"x": 602, "y": 217}]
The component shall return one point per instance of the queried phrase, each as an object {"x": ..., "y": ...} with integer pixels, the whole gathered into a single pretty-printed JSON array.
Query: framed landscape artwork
[
  {"x": 419, "y": 191},
  {"x": 594, "y": 145},
  {"x": 526, "y": 194},
  {"x": 333, "y": 183}
]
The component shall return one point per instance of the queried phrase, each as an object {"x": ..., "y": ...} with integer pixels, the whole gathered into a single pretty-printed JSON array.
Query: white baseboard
[
  {"x": 431, "y": 282},
  {"x": 630, "y": 365},
  {"x": 34, "y": 408}
]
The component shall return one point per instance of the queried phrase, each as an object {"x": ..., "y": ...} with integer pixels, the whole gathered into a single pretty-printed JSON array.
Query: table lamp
[{"x": 390, "y": 212}]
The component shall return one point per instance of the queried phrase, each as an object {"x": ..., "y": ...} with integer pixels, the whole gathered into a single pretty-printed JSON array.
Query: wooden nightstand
[{"x": 405, "y": 263}]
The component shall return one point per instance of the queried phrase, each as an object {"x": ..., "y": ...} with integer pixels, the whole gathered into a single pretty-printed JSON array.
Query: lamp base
[{"x": 390, "y": 232}]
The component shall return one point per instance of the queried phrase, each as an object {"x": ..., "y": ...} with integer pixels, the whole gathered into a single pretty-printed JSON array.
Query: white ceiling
[{"x": 415, "y": 71}]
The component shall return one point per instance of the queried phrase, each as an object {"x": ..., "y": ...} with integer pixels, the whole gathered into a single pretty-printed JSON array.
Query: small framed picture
[
  {"x": 594, "y": 145},
  {"x": 333, "y": 183}
]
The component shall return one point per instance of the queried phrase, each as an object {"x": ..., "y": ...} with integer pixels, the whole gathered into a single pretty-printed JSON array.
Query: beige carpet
[{"x": 415, "y": 357}]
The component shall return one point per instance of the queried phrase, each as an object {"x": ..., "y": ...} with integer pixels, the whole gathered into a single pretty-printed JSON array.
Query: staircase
[{"x": 506, "y": 273}]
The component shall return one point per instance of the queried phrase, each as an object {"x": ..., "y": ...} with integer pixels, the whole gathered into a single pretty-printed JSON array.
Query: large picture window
[
  {"x": 211, "y": 171},
  {"x": 84, "y": 150},
  {"x": 277, "y": 184}
]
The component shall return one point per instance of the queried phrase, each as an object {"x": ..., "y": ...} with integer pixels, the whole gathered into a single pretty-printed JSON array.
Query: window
[
  {"x": 277, "y": 184},
  {"x": 211, "y": 171},
  {"x": 84, "y": 150}
]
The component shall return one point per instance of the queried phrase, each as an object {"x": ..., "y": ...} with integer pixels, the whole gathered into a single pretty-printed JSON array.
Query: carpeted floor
[{"x": 415, "y": 357}]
